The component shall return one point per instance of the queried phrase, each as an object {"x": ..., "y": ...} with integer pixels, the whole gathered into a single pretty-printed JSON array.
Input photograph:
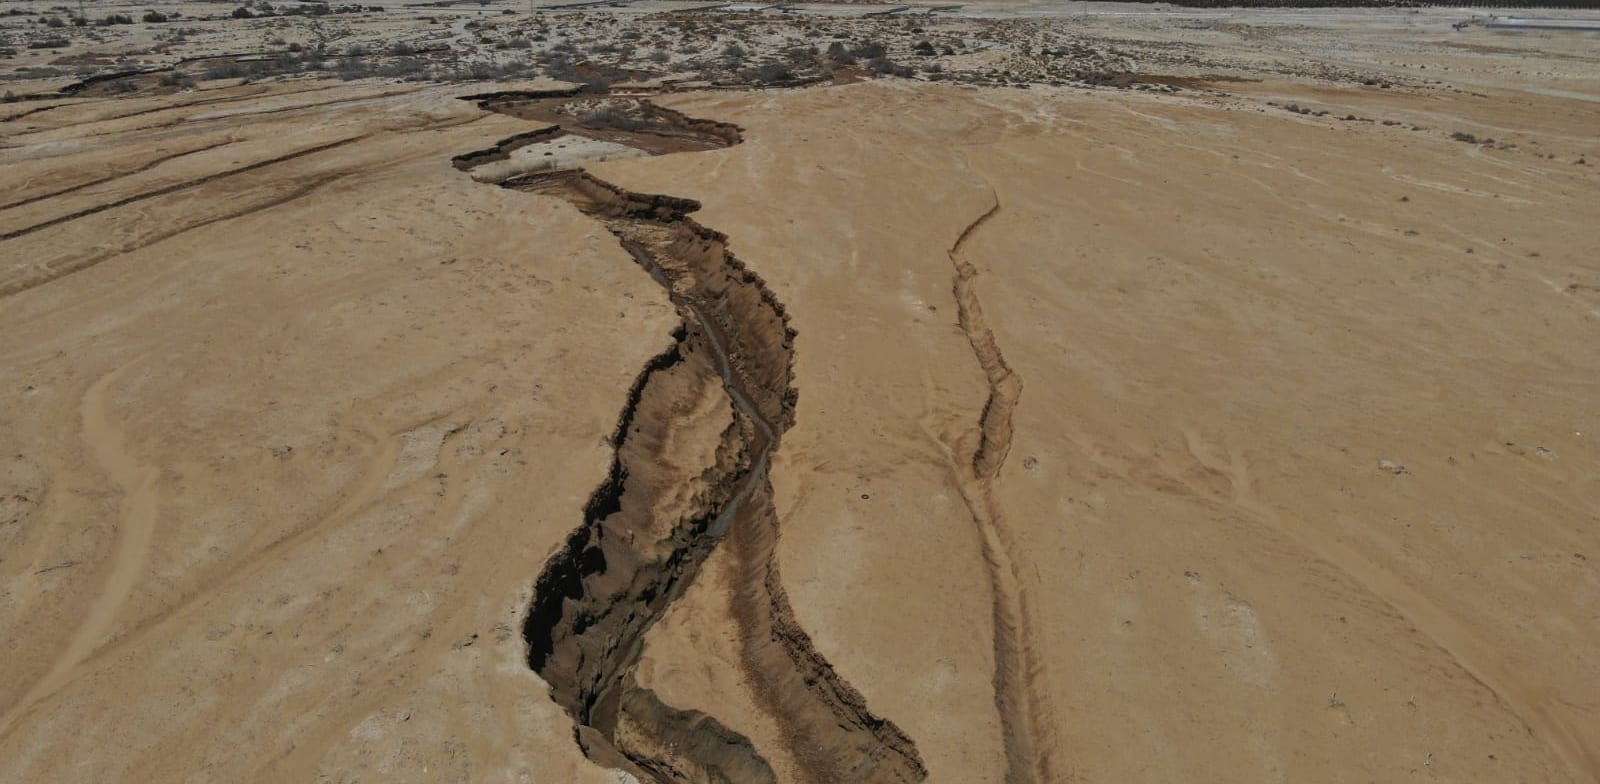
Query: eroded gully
[{"x": 723, "y": 389}]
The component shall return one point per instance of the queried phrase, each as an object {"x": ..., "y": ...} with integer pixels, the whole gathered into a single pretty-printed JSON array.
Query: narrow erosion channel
[
  {"x": 1027, "y": 718},
  {"x": 723, "y": 389}
]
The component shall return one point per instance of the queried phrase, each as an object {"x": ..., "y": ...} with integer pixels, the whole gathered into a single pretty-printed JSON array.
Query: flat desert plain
[{"x": 1221, "y": 407}]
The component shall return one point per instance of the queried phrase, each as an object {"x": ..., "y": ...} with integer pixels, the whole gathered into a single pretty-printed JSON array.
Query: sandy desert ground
[{"x": 1104, "y": 393}]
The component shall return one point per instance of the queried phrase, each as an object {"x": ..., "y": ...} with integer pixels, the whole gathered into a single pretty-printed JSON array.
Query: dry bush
[
  {"x": 611, "y": 117},
  {"x": 768, "y": 73}
]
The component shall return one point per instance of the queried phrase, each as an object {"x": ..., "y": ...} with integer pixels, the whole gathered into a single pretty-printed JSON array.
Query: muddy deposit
[{"x": 650, "y": 526}]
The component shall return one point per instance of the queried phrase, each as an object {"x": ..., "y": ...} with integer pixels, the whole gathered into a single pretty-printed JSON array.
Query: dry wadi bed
[{"x": 1192, "y": 396}]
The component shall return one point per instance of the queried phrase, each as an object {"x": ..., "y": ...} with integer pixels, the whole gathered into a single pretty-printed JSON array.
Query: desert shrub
[
  {"x": 225, "y": 70},
  {"x": 401, "y": 49},
  {"x": 839, "y": 54},
  {"x": 479, "y": 72},
  {"x": 296, "y": 47},
  {"x": 122, "y": 87},
  {"x": 176, "y": 79},
  {"x": 353, "y": 68},
  {"x": 1463, "y": 136},
  {"x": 801, "y": 55},
  {"x": 282, "y": 63},
  {"x": 154, "y": 17},
  {"x": 609, "y": 117},
  {"x": 923, "y": 48},
  {"x": 886, "y": 67},
  {"x": 557, "y": 66},
  {"x": 596, "y": 79},
  {"x": 869, "y": 51},
  {"x": 403, "y": 68},
  {"x": 115, "y": 19},
  {"x": 356, "y": 50},
  {"x": 660, "y": 56},
  {"x": 242, "y": 13},
  {"x": 54, "y": 21},
  {"x": 519, "y": 43},
  {"x": 769, "y": 73},
  {"x": 733, "y": 52}
]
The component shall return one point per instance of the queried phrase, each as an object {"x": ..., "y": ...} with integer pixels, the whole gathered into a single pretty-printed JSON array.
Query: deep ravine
[{"x": 725, "y": 389}]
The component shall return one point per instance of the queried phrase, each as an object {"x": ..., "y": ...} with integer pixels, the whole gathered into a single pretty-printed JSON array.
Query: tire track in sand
[
  {"x": 1540, "y": 712},
  {"x": 178, "y": 186},
  {"x": 151, "y": 164},
  {"x": 40, "y": 274},
  {"x": 135, "y": 528},
  {"x": 1027, "y": 718},
  {"x": 379, "y": 465}
]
